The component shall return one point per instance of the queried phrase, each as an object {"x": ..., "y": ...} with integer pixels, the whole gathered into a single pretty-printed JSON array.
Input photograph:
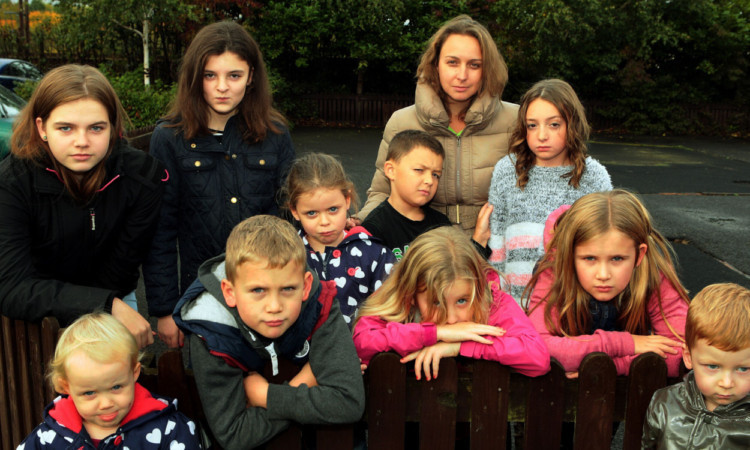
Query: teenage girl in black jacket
[
  {"x": 227, "y": 152},
  {"x": 78, "y": 207}
]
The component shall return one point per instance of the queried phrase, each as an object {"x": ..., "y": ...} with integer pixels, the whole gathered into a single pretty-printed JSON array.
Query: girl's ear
[
  {"x": 348, "y": 201},
  {"x": 293, "y": 210},
  {"x": 40, "y": 128},
  {"x": 250, "y": 77},
  {"x": 63, "y": 385},
  {"x": 641, "y": 250}
]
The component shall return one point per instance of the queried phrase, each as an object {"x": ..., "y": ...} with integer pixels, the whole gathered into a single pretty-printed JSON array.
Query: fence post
[
  {"x": 386, "y": 402},
  {"x": 490, "y": 395},
  {"x": 545, "y": 409},
  {"x": 437, "y": 424},
  {"x": 596, "y": 402},
  {"x": 648, "y": 372}
]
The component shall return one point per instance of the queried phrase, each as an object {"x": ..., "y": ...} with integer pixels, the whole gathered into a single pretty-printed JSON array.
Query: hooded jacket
[
  {"x": 469, "y": 159},
  {"x": 212, "y": 187},
  {"x": 62, "y": 259},
  {"x": 152, "y": 423},
  {"x": 358, "y": 266},
  {"x": 677, "y": 419},
  {"x": 223, "y": 349}
]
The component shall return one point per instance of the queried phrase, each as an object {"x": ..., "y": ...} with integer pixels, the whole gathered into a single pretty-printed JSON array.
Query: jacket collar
[
  {"x": 432, "y": 114},
  {"x": 696, "y": 401},
  {"x": 47, "y": 180}
]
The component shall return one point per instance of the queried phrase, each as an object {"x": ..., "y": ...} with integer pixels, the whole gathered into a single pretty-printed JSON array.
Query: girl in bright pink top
[
  {"x": 442, "y": 300},
  {"x": 607, "y": 284}
]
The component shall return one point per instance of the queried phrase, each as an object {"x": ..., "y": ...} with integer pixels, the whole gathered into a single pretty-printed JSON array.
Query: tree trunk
[{"x": 146, "y": 62}]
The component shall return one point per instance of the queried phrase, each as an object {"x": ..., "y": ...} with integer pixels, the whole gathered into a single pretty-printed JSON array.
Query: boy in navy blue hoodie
[
  {"x": 253, "y": 306},
  {"x": 96, "y": 367}
]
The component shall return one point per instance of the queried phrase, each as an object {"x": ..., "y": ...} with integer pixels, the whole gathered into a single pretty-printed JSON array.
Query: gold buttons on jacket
[
  {"x": 233, "y": 199},
  {"x": 197, "y": 164},
  {"x": 193, "y": 145},
  {"x": 262, "y": 162}
]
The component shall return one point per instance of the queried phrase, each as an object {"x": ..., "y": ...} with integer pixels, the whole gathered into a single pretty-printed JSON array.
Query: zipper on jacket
[
  {"x": 458, "y": 176},
  {"x": 92, "y": 215}
]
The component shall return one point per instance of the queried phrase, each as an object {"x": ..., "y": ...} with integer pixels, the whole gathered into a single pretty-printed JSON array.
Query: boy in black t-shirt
[{"x": 413, "y": 165}]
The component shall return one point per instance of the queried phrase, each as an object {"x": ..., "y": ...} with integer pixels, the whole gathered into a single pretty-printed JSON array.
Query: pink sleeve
[
  {"x": 549, "y": 224},
  {"x": 373, "y": 335},
  {"x": 520, "y": 347},
  {"x": 675, "y": 310},
  {"x": 570, "y": 351}
]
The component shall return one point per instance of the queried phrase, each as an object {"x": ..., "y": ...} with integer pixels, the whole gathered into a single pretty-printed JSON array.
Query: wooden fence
[{"x": 468, "y": 406}]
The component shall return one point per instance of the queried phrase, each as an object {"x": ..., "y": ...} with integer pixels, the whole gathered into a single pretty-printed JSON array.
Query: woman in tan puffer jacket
[{"x": 461, "y": 79}]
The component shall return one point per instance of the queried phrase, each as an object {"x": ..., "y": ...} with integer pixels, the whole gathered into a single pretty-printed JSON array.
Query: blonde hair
[
  {"x": 314, "y": 171},
  {"x": 591, "y": 216},
  {"x": 264, "y": 238},
  {"x": 435, "y": 260},
  {"x": 100, "y": 337},
  {"x": 720, "y": 314},
  {"x": 562, "y": 96},
  {"x": 65, "y": 84},
  {"x": 494, "y": 69}
]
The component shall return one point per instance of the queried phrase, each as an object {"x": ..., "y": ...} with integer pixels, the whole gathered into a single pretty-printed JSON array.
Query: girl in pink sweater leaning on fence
[
  {"x": 442, "y": 300},
  {"x": 606, "y": 283}
]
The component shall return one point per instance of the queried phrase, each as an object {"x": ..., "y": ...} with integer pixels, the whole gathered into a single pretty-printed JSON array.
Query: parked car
[
  {"x": 14, "y": 71},
  {"x": 10, "y": 107}
]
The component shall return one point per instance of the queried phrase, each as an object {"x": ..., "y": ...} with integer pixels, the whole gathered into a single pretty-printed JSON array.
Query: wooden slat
[
  {"x": 596, "y": 402},
  {"x": 37, "y": 365},
  {"x": 545, "y": 409},
  {"x": 437, "y": 425},
  {"x": 489, "y": 405},
  {"x": 172, "y": 380},
  {"x": 648, "y": 372},
  {"x": 336, "y": 437},
  {"x": 25, "y": 411},
  {"x": 386, "y": 402},
  {"x": 291, "y": 438},
  {"x": 6, "y": 361},
  {"x": 50, "y": 333}
]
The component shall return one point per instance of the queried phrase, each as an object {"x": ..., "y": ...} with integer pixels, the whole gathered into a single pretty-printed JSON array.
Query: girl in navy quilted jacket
[
  {"x": 227, "y": 151},
  {"x": 102, "y": 407},
  {"x": 319, "y": 196}
]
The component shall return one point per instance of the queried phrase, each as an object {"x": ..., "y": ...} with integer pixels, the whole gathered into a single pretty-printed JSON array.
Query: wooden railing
[{"x": 471, "y": 401}]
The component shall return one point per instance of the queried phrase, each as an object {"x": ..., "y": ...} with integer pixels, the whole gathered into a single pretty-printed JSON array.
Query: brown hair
[
  {"x": 494, "y": 69},
  {"x": 406, "y": 141},
  {"x": 62, "y": 85},
  {"x": 562, "y": 96},
  {"x": 264, "y": 238},
  {"x": 317, "y": 170},
  {"x": 591, "y": 216},
  {"x": 189, "y": 110},
  {"x": 720, "y": 314}
]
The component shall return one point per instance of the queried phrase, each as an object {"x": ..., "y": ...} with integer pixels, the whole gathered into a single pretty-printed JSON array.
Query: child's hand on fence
[
  {"x": 429, "y": 358},
  {"x": 482, "y": 229},
  {"x": 362, "y": 367},
  {"x": 256, "y": 390},
  {"x": 661, "y": 345},
  {"x": 305, "y": 376},
  {"x": 467, "y": 331},
  {"x": 571, "y": 375}
]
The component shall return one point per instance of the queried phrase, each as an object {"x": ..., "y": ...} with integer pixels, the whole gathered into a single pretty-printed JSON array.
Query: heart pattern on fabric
[
  {"x": 356, "y": 252},
  {"x": 359, "y": 273},
  {"x": 191, "y": 426},
  {"x": 340, "y": 281},
  {"x": 154, "y": 437},
  {"x": 174, "y": 445},
  {"x": 46, "y": 437},
  {"x": 352, "y": 301},
  {"x": 170, "y": 426},
  {"x": 335, "y": 262}
]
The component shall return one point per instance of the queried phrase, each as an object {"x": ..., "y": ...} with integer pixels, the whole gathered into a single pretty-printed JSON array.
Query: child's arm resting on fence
[
  {"x": 339, "y": 396},
  {"x": 221, "y": 390},
  {"x": 520, "y": 347},
  {"x": 373, "y": 335}
]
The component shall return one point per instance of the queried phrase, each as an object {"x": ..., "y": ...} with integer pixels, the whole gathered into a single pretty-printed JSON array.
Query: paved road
[{"x": 698, "y": 191}]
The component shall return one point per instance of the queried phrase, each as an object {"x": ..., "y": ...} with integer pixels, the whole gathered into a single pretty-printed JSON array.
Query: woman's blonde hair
[
  {"x": 562, "y": 96},
  {"x": 317, "y": 170},
  {"x": 591, "y": 216},
  {"x": 190, "y": 111},
  {"x": 494, "y": 69},
  {"x": 434, "y": 261},
  {"x": 65, "y": 84},
  {"x": 99, "y": 336}
]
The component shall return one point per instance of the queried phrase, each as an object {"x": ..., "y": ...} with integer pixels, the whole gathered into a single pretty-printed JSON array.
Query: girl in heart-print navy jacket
[
  {"x": 152, "y": 423},
  {"x": 358, "y": 265}
]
